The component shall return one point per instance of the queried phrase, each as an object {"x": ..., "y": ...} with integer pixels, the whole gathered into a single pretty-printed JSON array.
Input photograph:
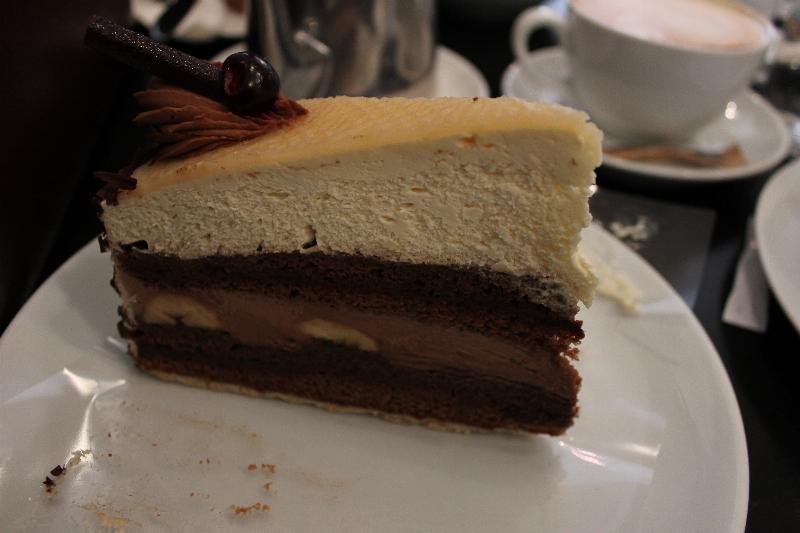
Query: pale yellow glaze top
[{"x": 496, "y": 183}]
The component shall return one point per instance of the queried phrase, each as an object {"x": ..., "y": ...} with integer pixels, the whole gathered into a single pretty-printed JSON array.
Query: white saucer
[
  {"x": 451, "y": 75},
  {"x": 749, "y": 121},
  {"x": 776, "y": 223}
]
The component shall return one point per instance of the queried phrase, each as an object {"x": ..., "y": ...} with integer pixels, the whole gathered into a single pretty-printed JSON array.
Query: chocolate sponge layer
[
  {"x": 332, "y": 374},
  {"x": 540, "y": 397}
]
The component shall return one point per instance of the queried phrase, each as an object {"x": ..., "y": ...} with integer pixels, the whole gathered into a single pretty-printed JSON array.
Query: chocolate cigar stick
[
  {"x": 169, "y": 64},
  {"x": 246, "y": 83}
]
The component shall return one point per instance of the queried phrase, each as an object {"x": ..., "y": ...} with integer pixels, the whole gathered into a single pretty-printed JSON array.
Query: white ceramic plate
[
  {"x": 452, "y": 75},
  {"x": 659, "y": 444},
  {"x": 777, "y": 226},
  {"x": 749, "y": 121}
]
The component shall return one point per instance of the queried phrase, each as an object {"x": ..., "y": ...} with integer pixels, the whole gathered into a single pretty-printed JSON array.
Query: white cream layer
[{"x": 498, "y": 183}]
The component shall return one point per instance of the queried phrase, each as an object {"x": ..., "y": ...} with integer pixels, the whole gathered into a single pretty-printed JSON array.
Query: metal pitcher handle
[{"x": 304, "y": 63}]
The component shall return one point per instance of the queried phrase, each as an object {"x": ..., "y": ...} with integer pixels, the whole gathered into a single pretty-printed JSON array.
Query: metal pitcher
[{"x": 354, "y": 47}]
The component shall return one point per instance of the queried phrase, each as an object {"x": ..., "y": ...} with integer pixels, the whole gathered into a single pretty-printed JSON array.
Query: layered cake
[{"x": 413, "y": 258}]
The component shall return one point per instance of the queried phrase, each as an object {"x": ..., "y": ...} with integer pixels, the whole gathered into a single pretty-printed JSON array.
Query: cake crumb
[
  {"x": 59, "y": 470},
  {"x": 77, "y": 457},
  {"x": 636, "y": 233},
  {"x": 268, "y": 486},
  {"x": 49, "y": 485},
  {"x": 269, "y": 467},
  {"x": 238, "y": 510},
  {"x": 251, "y": 466},
  {"x": 614, "y": 285}
]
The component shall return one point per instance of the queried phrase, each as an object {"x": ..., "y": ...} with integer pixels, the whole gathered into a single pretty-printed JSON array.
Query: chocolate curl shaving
[
  {"x": 109, "y": 192},
  {"x": 114, "y": 182},
  {"x": 120, "y": 180},
  {"x": 102, "y": 241}
]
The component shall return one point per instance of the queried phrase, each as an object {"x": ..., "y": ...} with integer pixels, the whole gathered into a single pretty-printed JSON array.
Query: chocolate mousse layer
[{"x": 457, "y": 345}]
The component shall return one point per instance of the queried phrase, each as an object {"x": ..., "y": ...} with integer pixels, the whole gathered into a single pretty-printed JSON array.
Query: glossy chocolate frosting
[{"x": 186, "y": 124}]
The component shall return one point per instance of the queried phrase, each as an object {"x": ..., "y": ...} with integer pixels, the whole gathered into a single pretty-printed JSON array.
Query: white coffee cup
[{"x": 662, "y": 81}]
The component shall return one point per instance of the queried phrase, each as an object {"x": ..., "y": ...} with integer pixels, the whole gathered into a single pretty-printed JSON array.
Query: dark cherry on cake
[
  {"x": 249, "y": 82},
  {"x": 222, "y": 105}
]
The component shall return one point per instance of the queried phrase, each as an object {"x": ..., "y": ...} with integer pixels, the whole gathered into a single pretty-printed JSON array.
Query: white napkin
[{"x": 748, "y": 303}]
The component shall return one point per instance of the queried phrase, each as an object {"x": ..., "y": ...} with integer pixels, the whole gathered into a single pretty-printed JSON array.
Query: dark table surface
[{"x": 46, "y": 216}]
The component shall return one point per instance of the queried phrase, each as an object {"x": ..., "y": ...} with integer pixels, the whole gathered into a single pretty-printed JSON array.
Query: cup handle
[{"x": 530, "y": 20}]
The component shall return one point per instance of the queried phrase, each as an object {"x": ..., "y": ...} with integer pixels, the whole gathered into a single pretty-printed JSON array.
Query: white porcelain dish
[
  {"x": 777, "y": 229},
  {"x": 658, "y": 446}
]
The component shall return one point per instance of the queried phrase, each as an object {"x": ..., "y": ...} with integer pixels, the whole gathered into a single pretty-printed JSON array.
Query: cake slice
[{"x": 411, "y": 258}]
